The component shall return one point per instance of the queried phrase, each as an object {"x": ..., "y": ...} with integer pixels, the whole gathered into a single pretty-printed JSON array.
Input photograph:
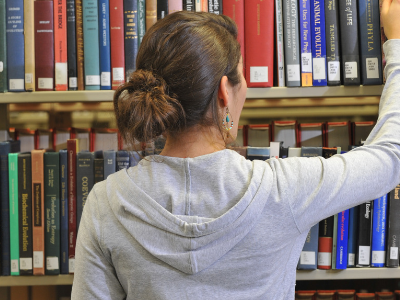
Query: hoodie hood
[{"x": 189, "y": 242}]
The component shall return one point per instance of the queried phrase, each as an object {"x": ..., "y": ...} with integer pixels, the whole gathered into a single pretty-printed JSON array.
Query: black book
[
  {"x": 348, "y": 16},
  {"x": 71, "y": 46},
  {"x": 25, "y": 213},
  {"x": 392, "y": 253},
  {"x": 84, "y": 181},
  {"x": 215, "y": 7},
  {"x": 188, "y": 5},
  {"x": 131, "y": 35},
  {"x": 122, "y": 160},
  {"x": 98, "y": 166},
  {"x": 364, "y": 235},
  {"x": 332, "y": 41},
  {"x": 162, "y": 9}
]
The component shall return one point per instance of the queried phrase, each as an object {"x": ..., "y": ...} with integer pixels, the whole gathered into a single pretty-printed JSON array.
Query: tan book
[
  {"x": 44, "y": 292},
  {"x": 151, "y": 13},
  {"x": 29, "y": 34},
  {"x": 19, "y": 293}
]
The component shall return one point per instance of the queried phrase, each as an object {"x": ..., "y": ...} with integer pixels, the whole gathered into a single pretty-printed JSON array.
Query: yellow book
[{"x": 29, "y": 35}]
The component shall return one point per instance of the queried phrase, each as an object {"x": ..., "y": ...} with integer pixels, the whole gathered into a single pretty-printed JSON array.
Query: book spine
[
  {"x": 84, "y": 181},
  {"x": 90, "y": 10},
  {"x": 151, "y": 13},
  {"x": 72, "y": 149},
  {"x": 280, "y": 53},
  {"x": 15, "y": 45},
  {"x": 175, "y": 5},
  {"x": 215, "y": 6},
  {"x": 342, "y": 239},
  {"x": 292, "y": 43},
  {"x": 305, "y": 42},
  {"x": 259, "y": 43},
  {"x": 117, "y": 43},
  {"x": 364, "y": 235},
  {"x": 5, "y": 210},
  {"x": 109, "y": 163},
  {"x": 64, "y": 211},
  {"x": 332, "y": 41},
  {"x": 44, "y": 46},
  {"x": 334, "y": 240},
  {"x": 29, "y": 34},
  {"x": 383, "y": 40},
  {"x": 349, "y": 41},
  {"x": 38, "y": 219},
  {"x": 204, "y": 5},
  {"x": 3, "y": 48},
  {"x": 122, "y": 160},
  {"x": 392, "y": 253},
  {"x": 308, "y": 256},
  {"x": 71, "y": 46},
  {"x": 325, "y": 243},
  {"x": 52, "y": 209},
  {"x": 98, "y": 170},
  {"x": 370, "y": 42},
  {"x": 197, "y": 5},
  {"x": 188, "y": 5},
  {"x": 352, "y": 241},
  {"x": 319, "y": 43},
  {"x": 379, "y": 224},
  {"x": 141, "y": 20},
  {"x": 25, "y": 213},
  {"x": 105, "y": 51},
  {"x": 60, "y": 45},
  {"x": 162, "y": 9},
  {"x": 79, "y": 45},
  {"x": 14, "y": 226},
  {"x": 130, "y": 35}
]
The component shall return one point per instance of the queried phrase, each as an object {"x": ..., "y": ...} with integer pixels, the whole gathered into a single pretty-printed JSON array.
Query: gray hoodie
[{"x": 221, "y": 227}]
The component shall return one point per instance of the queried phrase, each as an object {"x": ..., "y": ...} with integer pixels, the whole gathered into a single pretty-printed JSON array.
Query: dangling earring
[{"x": 226, "y": 120}]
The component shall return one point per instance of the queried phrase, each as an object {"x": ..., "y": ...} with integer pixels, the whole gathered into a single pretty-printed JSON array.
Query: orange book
[
  {"x": 204, "y": 5},
  {"x": 44, "y": 292},
  {"x": 38, "y": 211},
  {"x": 19, "y": 293},
  {"x": 60, "y": 45}
]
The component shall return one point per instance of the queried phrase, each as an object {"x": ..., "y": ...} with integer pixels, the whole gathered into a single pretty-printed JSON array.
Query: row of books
[{"x": 345, "y": 295}]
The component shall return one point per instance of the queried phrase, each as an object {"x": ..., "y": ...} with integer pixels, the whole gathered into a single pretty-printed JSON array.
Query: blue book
[
  {"x": 342, "y": 239},
  {"x": 15, "y": 45},
  {"x": 131, "y": 35},
  {"x": 305, "y": 43},
  {"x": 379, "y": 224},
  {"x": 105, "y": 50},
  {"x": 352, "y": 240},
  {"x": 259, "y": 153},
  {"x": 109, "y": 162},
  {"x": 122, "y": 160},
  {"x": 318, "y": 43},
  {"x": 308, "y": 256},
  {"x": 91, "y": 44},
  {"x": 64, "y": 211},
  {"x": 3, "y": 48}
]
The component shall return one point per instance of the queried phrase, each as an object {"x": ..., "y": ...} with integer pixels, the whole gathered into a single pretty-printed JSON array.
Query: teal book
[
  {"x": 52, "y": 212},
  {"x": 141, "y": 20},
  {"x": 14, "y": 226},
  {"x": 3, "y": 48},
  {"x": 91, "y": 46}
]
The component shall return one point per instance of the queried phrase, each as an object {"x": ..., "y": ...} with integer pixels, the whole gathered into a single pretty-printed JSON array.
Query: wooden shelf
[{"x": 36, "y": 280}]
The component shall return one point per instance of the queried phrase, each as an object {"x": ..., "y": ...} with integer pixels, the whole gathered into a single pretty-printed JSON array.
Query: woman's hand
[{"x": 390, "y": 18}]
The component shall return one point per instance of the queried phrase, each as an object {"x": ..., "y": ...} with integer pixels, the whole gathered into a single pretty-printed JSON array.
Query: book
[
  {"x": 345, "y": 294},
  {"x": 383, "y": 40},
  {"x": 259, "y": 153},
  {"x": 311, "y": 134},
  {"x": 393, "y": 229},
  {"x": 280, "y": 52},
  {"x": 38, "y": 215},
  {"x": 348, "y": 17},
  {"x": 352, "y": 240},
  {"x": 364, "y": 235},
  {"x": 60, "y": 45},
  {"x": 188, "y": 5},
  {"x": 44, "y": 46},
  {"x": 151, "y": 13},
  {"x": 214, "y": 6},
  {"x": 84, "y": 181},
  {"x": 44, "y": 292},
  {"x": 258, "y": 135},
  {"x": 117, "y": 43},
  {"x": 334, "y": 241},
  {"x": 104, "y": 50},
  {"x": 370, "y": 43},
  {"x": 305, "y": 42},
  {"x": 64, "y": 211},
  {"x": 305, "y": 295},
  {"x": 51, "y": 172},
  {"x": 29, "y": 48},
  {"x": 19, "y": 293},
  {"x": 294, "y": 152},
  {"x": 15, "y": 45},
  {"x": 197, "y": 5},
  {"x": 141, "y": 20},
  {"x": 338, "y": 134},
  {"x": 162, "y": 8},
  {"x": 3, "y": 48},
  {"x": 325, "y": 237},
  {"x": 91, "y": 58},
  {"x": 342, "y": 239},
  {"x": 131, "y": 35},
  {"x": 285, "y": 131},
  {"x": 325, "y": 295},
  {"x": 259, "y": 43},
  {"x": 98, "y": 164},
  {"x": 14, "y": 218},
  {"x": 122, "y": 159},
  {"x": 319, "y": 43},
  {"x": 385, "y": 296},
  {"x": 365, "y": 296},
  {"x": 360, "y": 131},
  {"x": 79, "y": 45},
  {"x": 110, "y": 165},
  {"x": 204, "y": 5},
  {"x": 332, "y": 42},
  {"x": 379, "y": 230},
  {"x": 25, "y": 213},
  {"x": 275, "y": 149},
  {"x": 71, "y": 46},
  {"x": 308, "y": 256}
]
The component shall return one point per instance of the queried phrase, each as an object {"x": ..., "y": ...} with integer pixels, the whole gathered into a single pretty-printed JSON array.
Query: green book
[
  {"x": 14, "y": 226},
  {"x": 52, "y": 212},
  {"x": 141, "y": 20}
]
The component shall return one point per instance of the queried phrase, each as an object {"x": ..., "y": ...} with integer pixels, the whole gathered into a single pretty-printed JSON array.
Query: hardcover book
[
  {"x": 141, "y": 20},
  {"x": 131, "y": 34},
  {"x": 29, "y": 35},
  {"x": 110, "y": 165},
  {"x": 64, "y": 211},
  {"x": 79, "y": 45},
  {"x": 122, "y": 159},
  {"x": 259, "y": 153},
  {"x": 162, "y": 8},
  {"x": 71, "y": 46},
  {"x": 151, "y": 13},
  {"x": 360, "y": 132},
  {"x": 14, "y": 219},
  {"x": 325, "y": 238},
  {"x": 188, "y": 5},
  {"x": 305, "y": 41},
  {"x": 311, "y": 134},
  {"x": 98, "y": 166},
  {"x": 334, "y": 240},
  {"x": 383, "y": 40},
  {"x": 379, "y": 230},
  {"x": 352, "y": 241},
  {"x": 105, "y": 50},
  {"x": 84, "y": 181},
  {"x": 364, "y": 235},
  {"x": 259, "y": 135},
  {"x": 215, "y": 7},
  {"x": 308, "y": 256},
  {"x": 286, "y": 132},
  {"x": 280, "y": 52},
  {"x": 319, "y": 43},
  {"x": 332, "y": 41},
  {"x": 392, "y": 251},
  {"x": 117, "y": 43},
  {"x": 3, "y": 47},
  {"x": 60, "y": 45},
  {"x": 342, "y": 239},
  {"x": 338, "y": 134}
]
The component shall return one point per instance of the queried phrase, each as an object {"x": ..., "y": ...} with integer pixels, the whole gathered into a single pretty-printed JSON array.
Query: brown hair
[{"x": 180, "y": 63}]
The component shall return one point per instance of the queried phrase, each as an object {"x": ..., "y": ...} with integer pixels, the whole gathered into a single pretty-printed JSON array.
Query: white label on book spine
[
  {"x": 118, "y": 74},
  {"x": 28, "y": 78},
  {"x": 372, "y": 67},
  {"x": 363, "y": 255},
  {"x": 319, "y": 68},
  {"x": 61, "y": 73},
  {"x": 14, "y": 266},
  {"x": 378, "y": 257},
  {"x": 351, "y": 259},
  {"x": 333, "y": 71},
  {"x": 324, "y": 259},
  {"x": 293, "y": 72},
  {"x": 52, "y": 263},
  {"x": 26, "y": 263},
  {"x": 350, "y": 69},
  {"x": 17, "y": 84},
  {"x": 45, "y": 83},
  {"x": 1, "y": 66},
  {"x": 93, "y": 80},
  {"x": 306, "y": 63},
  {"x": 71, "y": 265},
  {"x": 258, "y": 74},
  {"x": 106, "y": 79},
  {"x": 73, "y": 82},
  {"x": 38, "y": 259},
  {"x": 307, "y": 258},
  {"x": 394, "y": 252}
]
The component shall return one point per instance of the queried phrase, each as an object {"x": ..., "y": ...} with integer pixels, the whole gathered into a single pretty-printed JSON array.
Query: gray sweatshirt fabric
[{"x": 221, "y": 227}]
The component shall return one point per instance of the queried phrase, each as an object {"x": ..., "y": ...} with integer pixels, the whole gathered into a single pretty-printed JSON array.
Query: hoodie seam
[{"x": 188, "y": 188}]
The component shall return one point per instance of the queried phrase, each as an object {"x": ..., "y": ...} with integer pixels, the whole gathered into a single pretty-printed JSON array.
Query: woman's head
[{"x": 180, "y": 64}]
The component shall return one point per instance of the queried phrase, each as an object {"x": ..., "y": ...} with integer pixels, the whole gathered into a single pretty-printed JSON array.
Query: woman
[{"x": 200, "y": 221}]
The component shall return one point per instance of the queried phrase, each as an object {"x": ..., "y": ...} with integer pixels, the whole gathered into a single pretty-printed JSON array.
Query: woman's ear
[{"x": 224, "y": 92}]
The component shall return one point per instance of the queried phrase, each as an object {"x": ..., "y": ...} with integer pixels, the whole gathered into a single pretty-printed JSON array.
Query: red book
[
  {"x": 235, "y": 10},
  {"x": 117, "y": 43},
  {"x": 311, "y": 134},
  {"x": 365, "y": 296},
  {"x": 60, "y": 45},
  {"x": 305, "y": 295},
  {"x": 346, "y": 294},
  {"x": 44, "y": 46},
  {"x": 259, "y": 42},
  {"x": 325, "y": 295},
  {"x": 385, "y": 296}
]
